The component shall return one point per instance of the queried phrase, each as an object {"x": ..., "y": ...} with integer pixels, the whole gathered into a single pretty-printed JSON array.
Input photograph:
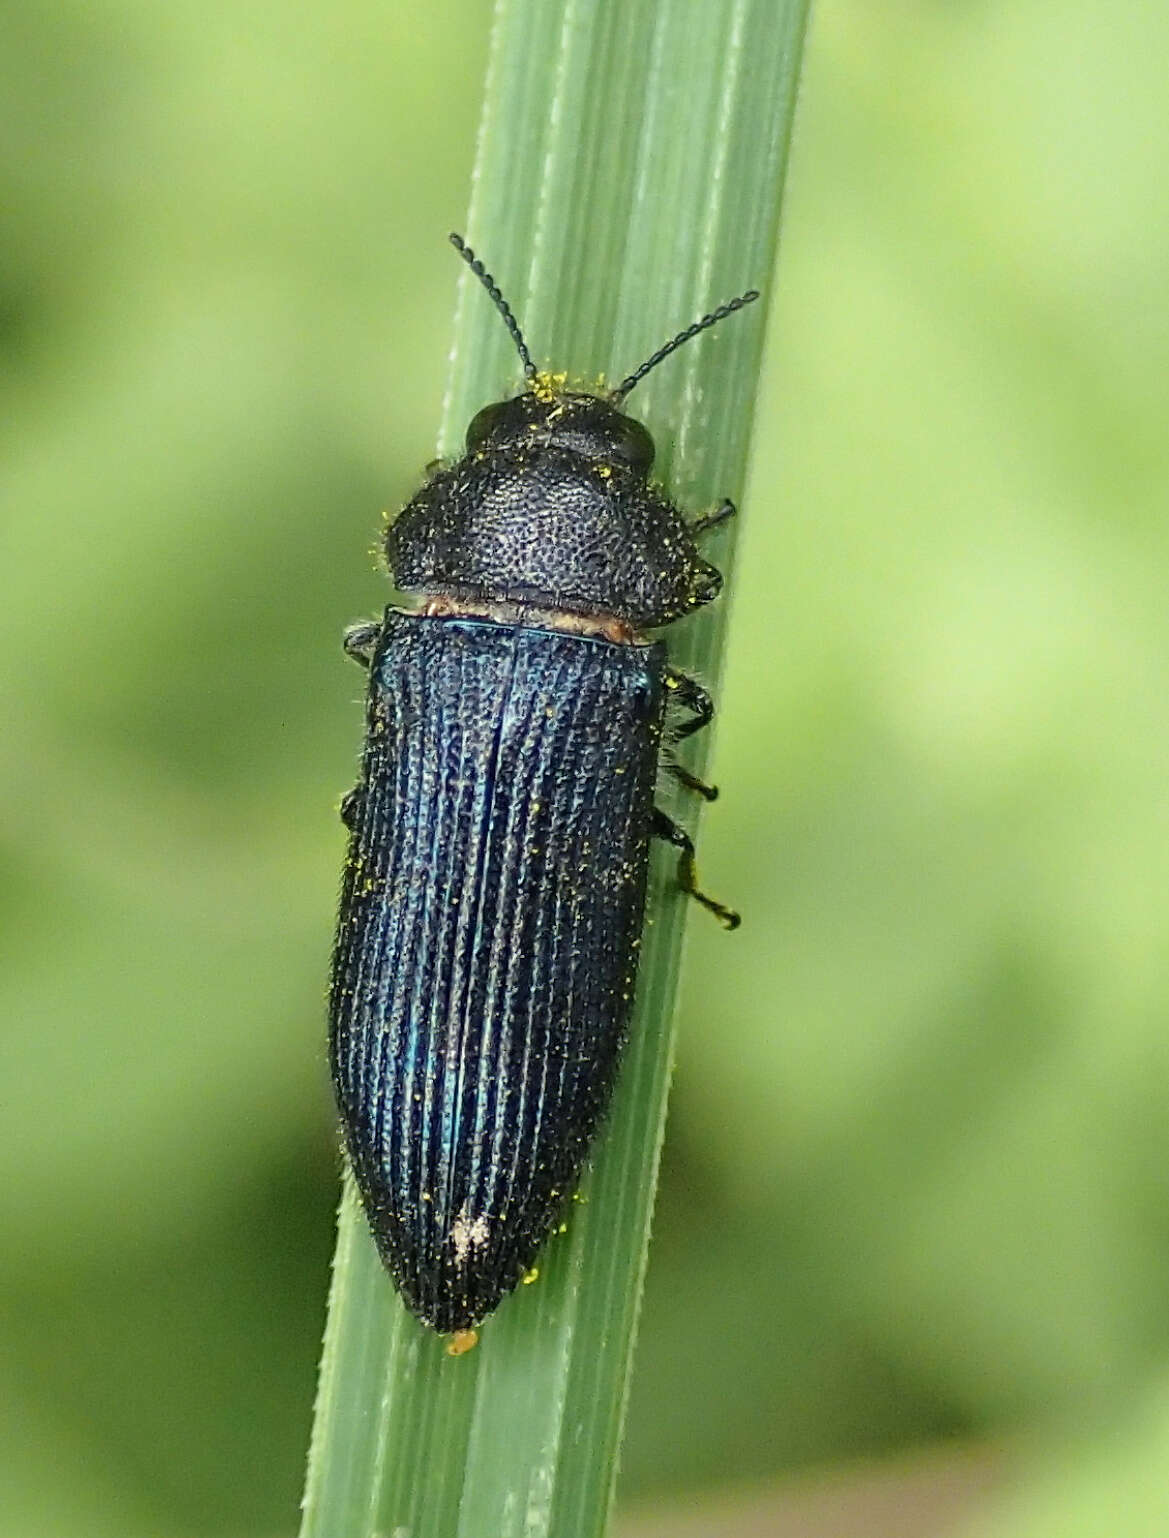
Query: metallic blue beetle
[{"x": 494, "y": 890}]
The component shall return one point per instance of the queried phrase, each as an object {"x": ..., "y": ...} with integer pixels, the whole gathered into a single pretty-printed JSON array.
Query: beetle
[{"x": 494, "y": 889}]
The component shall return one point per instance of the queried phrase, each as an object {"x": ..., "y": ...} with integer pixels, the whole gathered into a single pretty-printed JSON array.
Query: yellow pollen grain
[
  {"x": 546, "y": 387},
  {"x": 461, "y": 1342}
]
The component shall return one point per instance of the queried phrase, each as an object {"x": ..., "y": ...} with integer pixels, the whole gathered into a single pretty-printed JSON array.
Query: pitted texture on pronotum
[
  {"x": 552, "y": 505},
  {"x": 487, "y": 953}
]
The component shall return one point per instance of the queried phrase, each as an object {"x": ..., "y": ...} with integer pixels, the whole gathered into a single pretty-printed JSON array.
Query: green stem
[{"x": 628, "y": 179}]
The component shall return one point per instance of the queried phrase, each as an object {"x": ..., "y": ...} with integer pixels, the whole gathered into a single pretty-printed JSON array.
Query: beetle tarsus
[
  {"x": 713, "y": 520},
  {"x": 666, "y": 828},
  {"x": 359, "y": 641},
  {"x": 692, "y": 782}
]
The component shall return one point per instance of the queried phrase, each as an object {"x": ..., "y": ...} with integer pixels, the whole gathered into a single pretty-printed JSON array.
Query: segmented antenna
[
  {"x": 704, "y": 324},
  {"x": 499, "y": 302}
]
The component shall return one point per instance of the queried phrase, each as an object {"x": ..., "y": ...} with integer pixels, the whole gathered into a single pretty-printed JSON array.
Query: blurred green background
[{"x": 915, "y": 1185}]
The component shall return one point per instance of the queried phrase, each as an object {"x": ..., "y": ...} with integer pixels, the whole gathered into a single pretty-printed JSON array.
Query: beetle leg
[
  {"x": 692, "y": 782},
  {"x": 666, "y": 828},
  {"x": 359, "y": 640},
  {"x": 691, "y": 696},
  {"x": 350, "y": 808},
  {"x": 726, "y": 509}
]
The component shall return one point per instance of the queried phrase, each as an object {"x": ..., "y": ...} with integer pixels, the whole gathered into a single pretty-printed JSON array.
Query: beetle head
[{"x": 588, "y": 425}]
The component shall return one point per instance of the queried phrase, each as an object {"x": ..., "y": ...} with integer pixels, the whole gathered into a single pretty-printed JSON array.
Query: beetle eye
[
  {"x": 483, "y": 422},
  {"x": 634, "y": 444}
]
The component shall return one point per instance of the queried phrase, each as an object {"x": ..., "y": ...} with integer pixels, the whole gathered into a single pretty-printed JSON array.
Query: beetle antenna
[
  {"x": 704, "y": 324},
  {"x": 499, "y": 302}
]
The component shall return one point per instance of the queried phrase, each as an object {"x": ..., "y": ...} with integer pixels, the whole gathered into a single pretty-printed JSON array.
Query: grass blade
[{"x": 628, "y": 179}]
